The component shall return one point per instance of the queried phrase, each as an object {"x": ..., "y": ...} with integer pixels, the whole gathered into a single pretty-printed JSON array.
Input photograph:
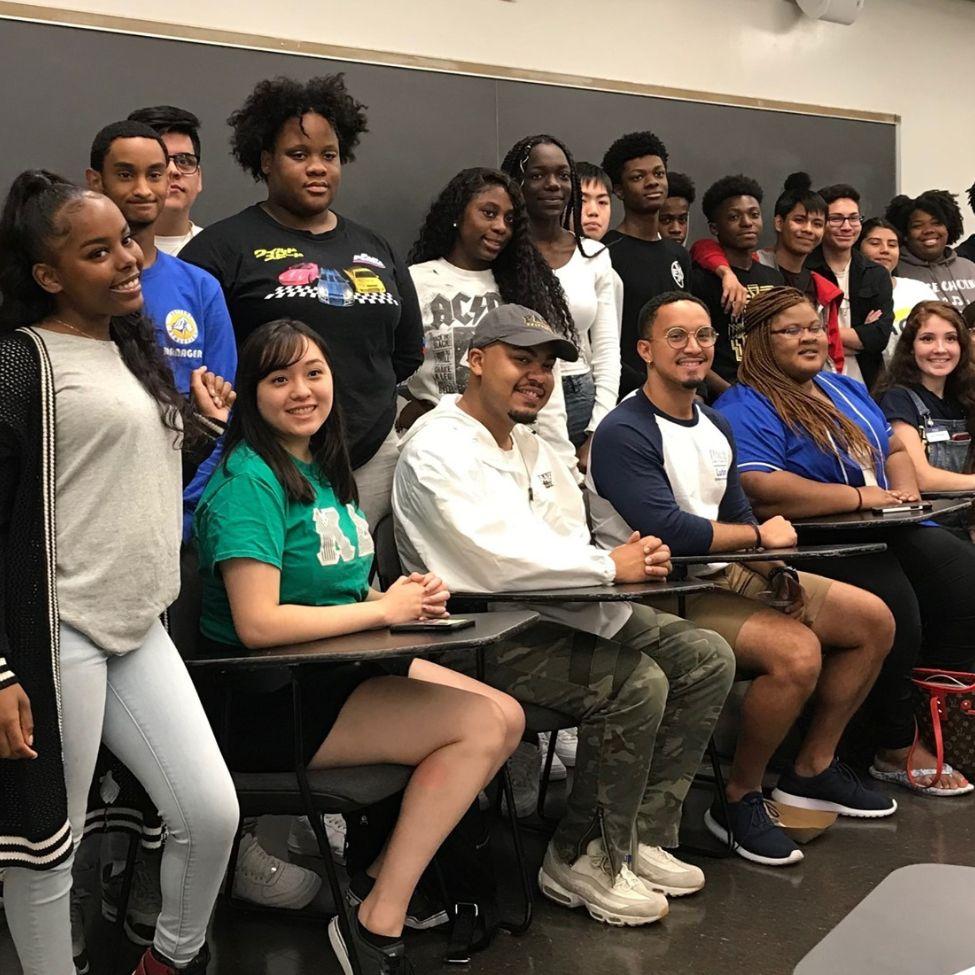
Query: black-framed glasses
[
  {"x": 794, "y": 331},
  {"x": 185, "y": 162},
  {"x": 678, "y": 337},
  {"x": 838, "y": 219}
]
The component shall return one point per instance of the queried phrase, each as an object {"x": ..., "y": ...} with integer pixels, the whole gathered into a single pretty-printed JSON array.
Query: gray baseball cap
[{"x": 520, "y": 326}]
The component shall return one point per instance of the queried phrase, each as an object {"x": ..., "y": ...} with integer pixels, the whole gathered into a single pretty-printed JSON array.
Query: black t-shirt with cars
[
  {"x": 647, "y": 268},
  {"x": 707, "y": 287},
  {"x": 346, "y": 284}
]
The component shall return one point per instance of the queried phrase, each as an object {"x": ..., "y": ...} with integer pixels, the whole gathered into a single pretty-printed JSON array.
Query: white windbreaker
[{"x": 462, "y": 510}]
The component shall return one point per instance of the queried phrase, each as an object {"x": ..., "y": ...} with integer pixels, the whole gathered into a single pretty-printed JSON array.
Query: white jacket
[{"x": 462, "y": 510}]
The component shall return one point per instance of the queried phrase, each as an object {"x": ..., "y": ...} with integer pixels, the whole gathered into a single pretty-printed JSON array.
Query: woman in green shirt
[{"x": 285, "y": 554}]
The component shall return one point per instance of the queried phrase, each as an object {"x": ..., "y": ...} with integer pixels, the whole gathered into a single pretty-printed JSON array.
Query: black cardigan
[
  {"x": 33, "y": 802},
  {"x": 870, "y": 290}
]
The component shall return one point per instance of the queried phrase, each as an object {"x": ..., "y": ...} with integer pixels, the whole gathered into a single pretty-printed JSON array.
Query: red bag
[{"x": 945, "y": 709}]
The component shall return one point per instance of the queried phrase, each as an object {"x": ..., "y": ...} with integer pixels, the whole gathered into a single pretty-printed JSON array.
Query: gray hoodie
[{"x": 951, "y": 277}]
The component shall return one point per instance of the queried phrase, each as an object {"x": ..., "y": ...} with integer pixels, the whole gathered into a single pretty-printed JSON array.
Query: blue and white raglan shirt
[
  {"x": 193, "y": 329},
  {"x": 663, "y": 476},
  {"x": 766, "y": 443}
]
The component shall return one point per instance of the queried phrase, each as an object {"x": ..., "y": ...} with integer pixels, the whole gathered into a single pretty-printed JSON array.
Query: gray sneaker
[
  {"x": 623, "y": 900},
  {"x": 145, "y": 898},
  {"x": 523, "y": 767}
]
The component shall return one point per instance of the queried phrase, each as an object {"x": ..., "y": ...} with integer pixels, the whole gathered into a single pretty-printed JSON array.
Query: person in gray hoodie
[{"x": 929, "y": 225}]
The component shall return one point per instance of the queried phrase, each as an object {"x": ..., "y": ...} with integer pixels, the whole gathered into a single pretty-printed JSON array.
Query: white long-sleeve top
[
  {"x": 452, "y": 302},
  {"x": 587, "y": 280},
  {"x": 486, "y": 519}
]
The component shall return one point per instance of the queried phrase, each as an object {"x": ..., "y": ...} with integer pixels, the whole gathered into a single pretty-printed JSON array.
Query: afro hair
[
  {"x": 633, "y": 145},
  {"x": 725, "y": 189}
]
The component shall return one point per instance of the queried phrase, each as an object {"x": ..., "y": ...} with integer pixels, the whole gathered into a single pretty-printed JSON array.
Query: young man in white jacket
[{"x": 485, "y": 504}]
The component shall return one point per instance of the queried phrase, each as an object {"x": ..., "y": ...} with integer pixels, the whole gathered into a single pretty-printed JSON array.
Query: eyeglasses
[
  {"x": 837, "y": 220},
  {"x": 185, "y": 162},
  {"x": 794, "y": 331},
  {"x": 677, "y": 338}
]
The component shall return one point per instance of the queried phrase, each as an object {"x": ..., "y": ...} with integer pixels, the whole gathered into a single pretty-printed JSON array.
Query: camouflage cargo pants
[{"x": 645, "y": 702}]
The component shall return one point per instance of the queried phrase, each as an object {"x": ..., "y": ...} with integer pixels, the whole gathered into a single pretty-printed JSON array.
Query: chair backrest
[
  {"x": 184, "y": 614},
  {"x": 388, "y": 566}
]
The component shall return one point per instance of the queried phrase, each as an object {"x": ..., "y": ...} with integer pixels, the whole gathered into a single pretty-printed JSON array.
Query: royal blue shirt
[
  {"x": 766, "y": 443},
  {"x": 193, "y": 329}
]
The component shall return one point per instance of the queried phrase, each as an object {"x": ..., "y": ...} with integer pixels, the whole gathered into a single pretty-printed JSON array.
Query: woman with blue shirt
[
  {"x": 812, "y": 443},
  {"x": 285, "y": 553}
]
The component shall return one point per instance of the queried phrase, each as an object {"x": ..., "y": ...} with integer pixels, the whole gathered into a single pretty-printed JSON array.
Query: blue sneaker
[
  {"x": 755, "y": 830},
  {"x": 837, "y": 789}
]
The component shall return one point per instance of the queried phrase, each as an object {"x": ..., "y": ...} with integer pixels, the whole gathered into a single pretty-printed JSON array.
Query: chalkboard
[{"x": 62, "y": 84}]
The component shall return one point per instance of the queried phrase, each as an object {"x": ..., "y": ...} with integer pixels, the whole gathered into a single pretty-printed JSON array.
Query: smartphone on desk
[
  {"x": 899, "y": 508},
  {"x": 431, "y": 626}
]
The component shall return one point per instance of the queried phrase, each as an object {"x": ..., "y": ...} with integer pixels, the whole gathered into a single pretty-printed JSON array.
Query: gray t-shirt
[{"x": 118, "y": 507}]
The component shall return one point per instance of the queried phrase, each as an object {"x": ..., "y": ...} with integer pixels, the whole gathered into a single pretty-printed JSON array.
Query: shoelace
[
  {"x": 844, "y": 770},
  {"x": 763, "y": 814},
  {"x": 626, "y": 878}
]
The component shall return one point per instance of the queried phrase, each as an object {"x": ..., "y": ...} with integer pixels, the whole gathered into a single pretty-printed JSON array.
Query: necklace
[{"x": 74, "y": 328}]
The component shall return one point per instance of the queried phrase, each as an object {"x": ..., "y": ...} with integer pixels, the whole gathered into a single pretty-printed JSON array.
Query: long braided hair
[
  {"x": 521, "y": 273},
  {"x": 514, "y": 164},
  {"x": 803, "y": 412}
]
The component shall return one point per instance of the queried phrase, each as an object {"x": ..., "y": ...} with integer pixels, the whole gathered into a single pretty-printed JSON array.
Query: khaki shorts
[{"x": 726, "y": 609}]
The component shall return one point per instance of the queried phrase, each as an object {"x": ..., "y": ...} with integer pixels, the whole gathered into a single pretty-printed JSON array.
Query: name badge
[{"x": 937, "y": 435}]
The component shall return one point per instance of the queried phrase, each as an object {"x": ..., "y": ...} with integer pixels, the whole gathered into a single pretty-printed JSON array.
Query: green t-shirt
[{"x": 323, "y": 548}]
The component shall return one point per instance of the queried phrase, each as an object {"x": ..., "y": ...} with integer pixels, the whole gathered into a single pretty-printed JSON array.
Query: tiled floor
[{"x": 749, "y": 919}]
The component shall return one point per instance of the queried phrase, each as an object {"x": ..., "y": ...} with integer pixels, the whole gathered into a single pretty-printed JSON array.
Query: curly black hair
[
  {"x": 274, "y": 101},
  {"x": 681, "y": 185},
  {"x": 726, "y": 188},
  {"x": 514, "y": 165},
  {"x": 522, "y": 274},
  {"x": 940, "y": 204},
  {"x": 633, "y": 145}
]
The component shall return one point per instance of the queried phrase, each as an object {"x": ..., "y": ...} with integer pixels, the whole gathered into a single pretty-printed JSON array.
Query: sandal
[{"x": 900, "y": 777}]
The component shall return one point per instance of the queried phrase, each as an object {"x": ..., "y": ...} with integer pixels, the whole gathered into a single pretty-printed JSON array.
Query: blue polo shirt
[
  {"x": 193, "y": 329},
  {"x": 767, "y": 444}
]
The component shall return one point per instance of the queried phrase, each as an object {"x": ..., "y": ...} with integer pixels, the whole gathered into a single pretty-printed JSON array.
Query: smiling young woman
[{"x": 293, "y": 256}]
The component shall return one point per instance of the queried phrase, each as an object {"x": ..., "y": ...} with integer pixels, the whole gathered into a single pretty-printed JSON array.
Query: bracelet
[
  {"x": 859, "y": 506},
  {"x": 758, "y": 539}
]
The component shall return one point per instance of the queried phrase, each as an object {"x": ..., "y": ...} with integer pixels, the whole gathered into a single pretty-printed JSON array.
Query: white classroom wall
[{"x": 907, "y": 57}]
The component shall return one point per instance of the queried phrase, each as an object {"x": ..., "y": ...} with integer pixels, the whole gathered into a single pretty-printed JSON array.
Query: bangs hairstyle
[
  {"x": 168, "y": 118},
  {"x": 522, "y": 275},
  {"x": 279, "y": 345},
  {"x": 878, "y": 223},
  {"x": 904, "y": 371},
  {"x": 939, "y": 204},
  {"x": 273, "y": 102},
  {"x": 591, "y": 173},
  {"x": 798, "y": 191},
  {"x": 828, "y": 428}
]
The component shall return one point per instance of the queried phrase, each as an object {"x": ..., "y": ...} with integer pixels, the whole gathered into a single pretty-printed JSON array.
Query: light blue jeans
[
  {"x": 144, "y": 707},
  {"x": 580, "y": 397}
]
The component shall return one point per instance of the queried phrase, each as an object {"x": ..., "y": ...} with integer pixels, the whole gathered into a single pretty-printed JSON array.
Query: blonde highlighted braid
[{"x": 803, "y": 412}]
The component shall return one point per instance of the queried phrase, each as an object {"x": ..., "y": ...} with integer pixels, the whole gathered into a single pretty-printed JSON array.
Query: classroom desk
[
  {"x": 625, "y": 593},
  {"x": 853, "y": 520},
  {"x": 948, "y": 495},
  {"x": 372, "y": 645},
  {"x": 838, "y": 551}
]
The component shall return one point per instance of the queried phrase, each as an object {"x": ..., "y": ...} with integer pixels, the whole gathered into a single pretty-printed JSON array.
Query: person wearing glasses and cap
[
  {"x": 663, "y": 464},
  {"x": 180, "y": 132},
  {"x": 866, "y": 314},
  {"x": 487, "y": 505}
]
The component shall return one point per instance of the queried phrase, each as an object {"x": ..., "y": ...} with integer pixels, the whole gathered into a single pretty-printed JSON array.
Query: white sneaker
[
  {"x": 662, "y": 871},
  {"x": 566, "y": 743},
  {"x": 264, "y": 879},
  {"x": 557, "y": 773},
  {"x": 302, "y": 841},
  {"x": 523, "y": 767},
  {"x": 620, "y": 900}
]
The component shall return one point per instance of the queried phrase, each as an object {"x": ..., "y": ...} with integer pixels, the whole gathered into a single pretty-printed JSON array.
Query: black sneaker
[
  {"x": 79, "y": 947},
  {"x": 373, "y": 960},
  {"x": 422, "y": 913},
  {"x": 837, "y": 789},
  {"x": 755, "y": 831}
]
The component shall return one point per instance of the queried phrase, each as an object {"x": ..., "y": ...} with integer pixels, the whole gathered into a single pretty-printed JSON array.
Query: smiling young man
[
  {"x": 647, "y": 263},
  {"x": 733, "y": 208},
  {"x": 866, "y": 313},
  {"x": 180, "y": 132},
  {"x": 129, "y": 164},
  {"x": 664, "y": 465},
  {"x": 645, "y": 687},
  {"x": 676, "y": 212}
]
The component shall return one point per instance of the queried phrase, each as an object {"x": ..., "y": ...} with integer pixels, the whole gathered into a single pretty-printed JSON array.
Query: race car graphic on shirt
[{"x": 331, "y": 286}]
